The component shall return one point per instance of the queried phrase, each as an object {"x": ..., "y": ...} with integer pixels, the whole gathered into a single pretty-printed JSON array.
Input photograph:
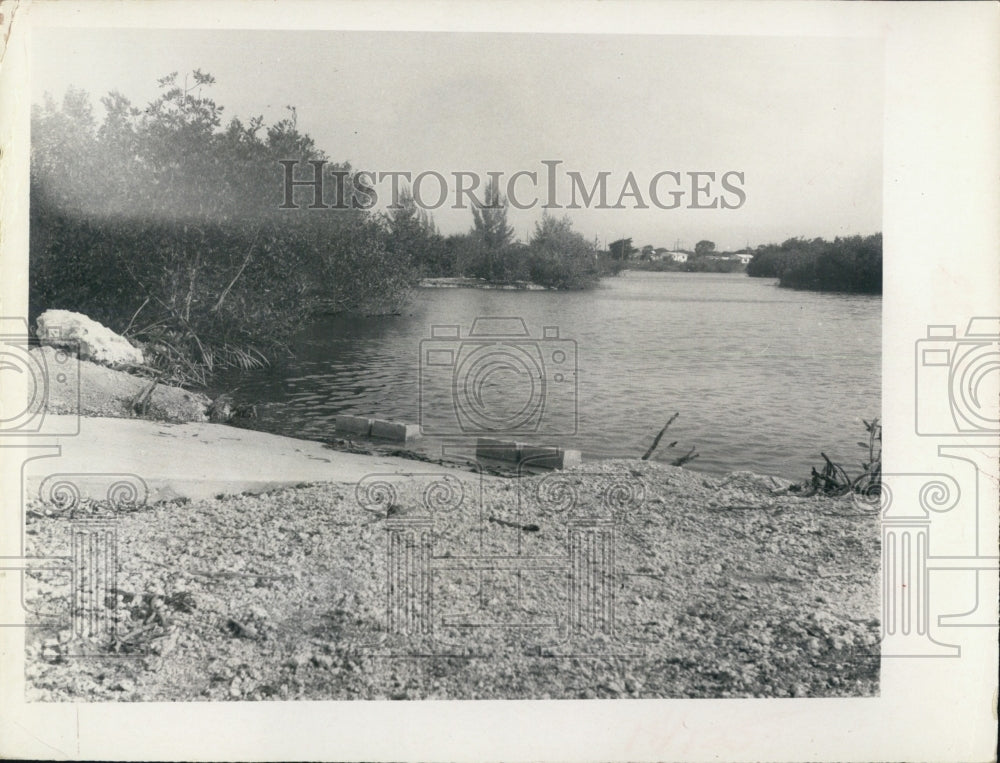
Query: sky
[{"x": 799, "y": 118}]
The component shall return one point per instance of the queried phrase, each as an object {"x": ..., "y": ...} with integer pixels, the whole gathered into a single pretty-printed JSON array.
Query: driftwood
[
  {"x": 515, "y": 525},
  {"x": 691, "y": 455},
  {"x": 659, "y": 437}
]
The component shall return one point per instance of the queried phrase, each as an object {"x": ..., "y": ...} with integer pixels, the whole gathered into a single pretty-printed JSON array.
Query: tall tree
[
  {"x": 556, "y": 235},
  {"x": 622, "y": 249},
  {"x": 412, "y": 237},
  {"x": 490, "y": 219},
  {"x": 704, "y": 247}
]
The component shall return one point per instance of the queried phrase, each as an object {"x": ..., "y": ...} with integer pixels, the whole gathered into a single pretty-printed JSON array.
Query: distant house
[
  {"x": 744, "y": 257},
  {"x": 678, "y": 256}
]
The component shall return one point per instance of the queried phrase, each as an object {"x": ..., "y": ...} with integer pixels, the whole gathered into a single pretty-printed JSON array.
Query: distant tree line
[
  {"x": 703, "y": 259},
  {"x": 851, "y": 264},
  {"x": 693, "y": 264},
  {"x": 556, "y": 256}
]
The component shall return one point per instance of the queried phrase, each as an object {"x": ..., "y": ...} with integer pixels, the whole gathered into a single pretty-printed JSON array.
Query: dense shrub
[
  {"x": 561, "y": 258},
  {"x": 852, "y": 264},
  {"x": 166, "y": 227},
  {"x": 556, "y": 257}
]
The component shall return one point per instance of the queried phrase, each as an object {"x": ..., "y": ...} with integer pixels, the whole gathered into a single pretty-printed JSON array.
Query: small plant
[
  {"x": 871, "y": 478},
  {"x": 834, "y": 480}
]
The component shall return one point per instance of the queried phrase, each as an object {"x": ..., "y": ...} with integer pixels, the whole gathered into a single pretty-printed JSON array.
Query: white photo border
[{"x": 941, "y": 201}]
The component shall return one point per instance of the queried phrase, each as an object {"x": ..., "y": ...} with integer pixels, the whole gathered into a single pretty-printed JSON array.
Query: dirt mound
[{"x": 94, "y": 390}]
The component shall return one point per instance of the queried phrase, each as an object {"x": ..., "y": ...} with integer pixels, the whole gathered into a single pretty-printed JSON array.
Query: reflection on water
[{"x": 763, "y": 378}]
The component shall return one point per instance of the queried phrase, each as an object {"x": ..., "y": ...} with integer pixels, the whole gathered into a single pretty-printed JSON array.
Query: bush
[
  {"x": 558, "y": 271},
  {"x": 360, "y": 273},
  {"x": 561, "y": 258},
  {"x": 851, "y": 264},
  {"x": 200, "y": 296},
  {"x": 557, "y": 257},
  {"x": 165, "y": 226}
]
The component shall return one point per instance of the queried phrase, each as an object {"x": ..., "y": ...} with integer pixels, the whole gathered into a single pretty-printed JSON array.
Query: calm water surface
[{"x": 763, "y": 378}]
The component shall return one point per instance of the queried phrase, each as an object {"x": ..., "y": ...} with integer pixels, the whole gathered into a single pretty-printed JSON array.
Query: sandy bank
[
  {"x": 197, "y": 460},
  {"x": 295, "y": 571}
]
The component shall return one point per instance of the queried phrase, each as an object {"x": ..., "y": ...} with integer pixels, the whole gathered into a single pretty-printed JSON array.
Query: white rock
[{"x": 74, "y": 331}]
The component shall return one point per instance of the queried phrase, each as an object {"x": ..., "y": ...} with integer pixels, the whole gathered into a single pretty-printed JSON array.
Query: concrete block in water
[
  {"x": 549, "y": 458},
  {"x": 357, "y": 425},
  {"x": 498, "y": 450},
  {"x": 396, "y": 431}
]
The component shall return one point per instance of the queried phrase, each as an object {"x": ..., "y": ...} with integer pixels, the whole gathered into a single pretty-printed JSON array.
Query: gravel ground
[{"x": 721, "y": 587}]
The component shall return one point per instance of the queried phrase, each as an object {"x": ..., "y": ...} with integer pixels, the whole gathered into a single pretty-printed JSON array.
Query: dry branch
[{"x": 659, "y": 437}]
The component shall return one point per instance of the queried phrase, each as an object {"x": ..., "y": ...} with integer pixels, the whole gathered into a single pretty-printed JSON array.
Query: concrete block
[
  {"x": 498, "y": 450},
  {"x": 357, "y": 425},
  {"x": 396, "y": 431},
  {"x": 549, "y": 458}
]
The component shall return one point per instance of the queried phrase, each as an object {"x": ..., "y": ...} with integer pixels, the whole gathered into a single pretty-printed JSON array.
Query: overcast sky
[{"x": 800, "y": 118}]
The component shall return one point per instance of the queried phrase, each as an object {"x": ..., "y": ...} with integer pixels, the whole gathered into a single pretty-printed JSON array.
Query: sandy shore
[
  {"x": 614, "y": 579},
  {"x": 196, "y": 460}
]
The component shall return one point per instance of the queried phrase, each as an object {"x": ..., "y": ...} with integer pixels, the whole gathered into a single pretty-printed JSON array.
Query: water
[{"x": 763, "y": 378}]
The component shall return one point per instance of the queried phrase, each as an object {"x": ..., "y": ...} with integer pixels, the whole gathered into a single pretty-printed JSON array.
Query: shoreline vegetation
[
  {"x": 478, "y": 283},
  {"x": 165, "y": 223},
  {"x": 852, "y": 264}
]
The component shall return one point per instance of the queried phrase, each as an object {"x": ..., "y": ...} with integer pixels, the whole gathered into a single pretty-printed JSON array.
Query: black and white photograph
[{"x": 428, "y": 368}]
